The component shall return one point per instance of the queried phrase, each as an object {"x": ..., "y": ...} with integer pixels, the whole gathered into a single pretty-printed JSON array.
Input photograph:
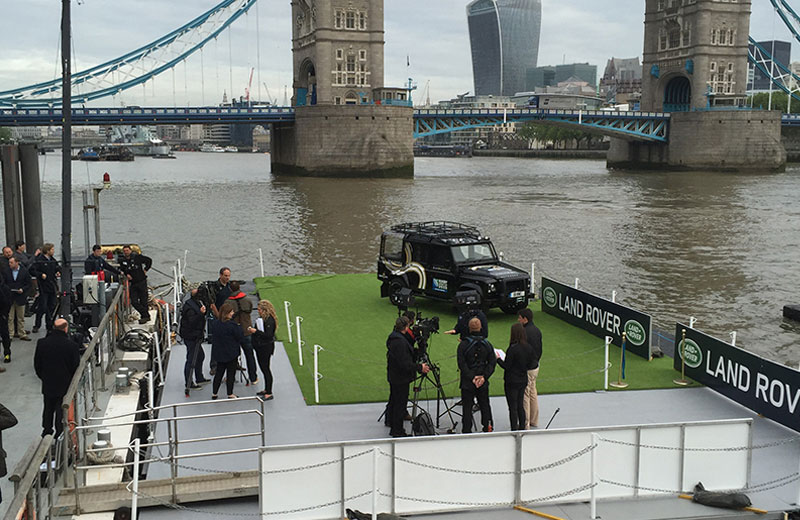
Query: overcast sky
[{"x": 432, "y": 33}]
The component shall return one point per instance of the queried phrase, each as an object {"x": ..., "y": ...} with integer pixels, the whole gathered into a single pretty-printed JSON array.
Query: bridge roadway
[{"x": 644, "y": 126}]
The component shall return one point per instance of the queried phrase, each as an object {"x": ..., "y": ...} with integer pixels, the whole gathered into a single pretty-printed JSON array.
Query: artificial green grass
[{"x": 347, "y": 317}]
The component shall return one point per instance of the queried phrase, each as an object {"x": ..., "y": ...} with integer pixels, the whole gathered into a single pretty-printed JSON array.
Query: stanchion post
[
  {"x": 286, "y": 306},
  {"x": 613, "y": 296},
  {"x": 169, "y": 328},
  {"x": 299, "y": 340},
  {"x": 576, "y": 282},
  {"x": 682, "y": 381},
  {"x": 159, "y": 367},
  {"x": 317, "y": 348},
  {"x": 135, "y": 497},
  {"x": 261, "y": 261},
  {"x": 593, "y": 493},
  {"x": 620, "y": 383},
  {"x": 609, "y": 339},
  {"x": 733, "y": 338},
  {"x": 375, "y": 483},
  {"x": 150, "y": 393},
  {"x": 692, "y": 321},
  {"x": 533, "y": 279}
]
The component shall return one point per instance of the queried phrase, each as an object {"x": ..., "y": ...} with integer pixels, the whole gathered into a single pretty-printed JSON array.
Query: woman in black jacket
[
  {"x": 193, "y": 323},
  {"x": 226, "y": 343},
  {"x": 264, "y": 344},
  {"x": 516, "y": 374}
]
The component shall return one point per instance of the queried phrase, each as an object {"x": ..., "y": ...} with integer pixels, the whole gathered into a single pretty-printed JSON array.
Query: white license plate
[{"x": 517, "y": 294}]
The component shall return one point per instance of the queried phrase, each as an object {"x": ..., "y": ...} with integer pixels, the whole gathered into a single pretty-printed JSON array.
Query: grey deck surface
[{"x": 289, "y": 420}]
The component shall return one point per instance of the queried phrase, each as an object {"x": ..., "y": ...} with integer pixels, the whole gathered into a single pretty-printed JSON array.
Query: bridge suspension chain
[{"x": 136, "y": 67}]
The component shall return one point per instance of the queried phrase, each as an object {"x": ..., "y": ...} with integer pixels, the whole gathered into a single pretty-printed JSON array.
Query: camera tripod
[{"x": 433, "y": 379}]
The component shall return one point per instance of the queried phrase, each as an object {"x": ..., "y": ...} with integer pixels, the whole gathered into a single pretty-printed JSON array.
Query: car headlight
[{"x": 492, "y": 288}]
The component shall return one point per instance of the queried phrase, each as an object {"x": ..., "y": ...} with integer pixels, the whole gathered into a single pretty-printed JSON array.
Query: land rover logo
[
  {"x": 635, "y": 332},
  {"x": 692, "y": 355},
  {"x": 549, "y": 297}
]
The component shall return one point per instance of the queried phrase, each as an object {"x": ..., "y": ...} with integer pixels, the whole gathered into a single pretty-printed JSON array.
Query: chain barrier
[
  {"x": 764, "y": 486},
  {"x": 563, "y": 494},
  {"x": 733, "y": 448},
  {"x": 576, "y": 376},
  {"x": 179, "y": 507},
  {"x": 536, "y": 469},
  {"x": 549, "y": 498}
]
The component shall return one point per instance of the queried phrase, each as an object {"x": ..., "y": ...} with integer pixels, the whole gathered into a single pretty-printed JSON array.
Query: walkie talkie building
[{"x": 504, "y": 36}]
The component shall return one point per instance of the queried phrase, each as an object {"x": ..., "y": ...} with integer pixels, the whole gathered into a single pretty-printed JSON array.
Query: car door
[{"x": 441, "y": 274}]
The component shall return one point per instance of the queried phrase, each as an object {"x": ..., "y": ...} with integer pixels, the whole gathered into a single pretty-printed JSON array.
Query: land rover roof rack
[{"x": 438, "y": 229}]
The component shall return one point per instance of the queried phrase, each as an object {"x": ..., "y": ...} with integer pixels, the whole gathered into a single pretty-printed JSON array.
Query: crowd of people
[
  {"x": 477, "y": 360},
  {"x": 224, "y": 312}
]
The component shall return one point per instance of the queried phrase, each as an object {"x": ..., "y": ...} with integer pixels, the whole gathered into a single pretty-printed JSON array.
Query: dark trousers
[
  {"x": 52, "y": 410},
  {"x": 398, "y": 397},
  {"x": 6, "y": 338},
  {"x": 194, "y": 361},
  {"x": 468, "y": 396},
  {"x": 139, "y": 298},
  {"x": 46, "y": 307},
  {"x": 252, "y": 368},
  {"x": 264, "y": 357},
  {"x": 515, "y": 393},
  {"x": 227, "y": 370}
]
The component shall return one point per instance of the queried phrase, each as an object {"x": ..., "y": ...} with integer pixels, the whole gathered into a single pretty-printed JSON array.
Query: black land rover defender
[{"x": 441, "y": 259}]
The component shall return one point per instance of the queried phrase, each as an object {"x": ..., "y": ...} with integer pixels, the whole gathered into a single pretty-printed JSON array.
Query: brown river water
[{"x": 722, "y": 247}]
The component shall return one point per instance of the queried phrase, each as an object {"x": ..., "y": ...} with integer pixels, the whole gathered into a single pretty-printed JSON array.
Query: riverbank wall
[{"x": 543, "y": 154}]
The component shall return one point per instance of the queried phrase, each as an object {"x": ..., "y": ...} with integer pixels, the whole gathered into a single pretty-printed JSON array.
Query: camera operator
[
  {"x": 476, "y": 361},
  {"x": 401, "y": 370},
  {"x": 462, "y": 325}
]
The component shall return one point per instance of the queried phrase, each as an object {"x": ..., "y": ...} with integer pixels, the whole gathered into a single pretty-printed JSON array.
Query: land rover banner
[
  {"x": 767, "y": 388},
  {"x": 597, "y": 315}
]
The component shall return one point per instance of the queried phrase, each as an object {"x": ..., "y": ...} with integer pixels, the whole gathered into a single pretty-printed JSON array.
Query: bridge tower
[
  {"x": 695, "y": 54},
  {"x": 346, "y": 122},
  {"x": 695, "y": 67}
]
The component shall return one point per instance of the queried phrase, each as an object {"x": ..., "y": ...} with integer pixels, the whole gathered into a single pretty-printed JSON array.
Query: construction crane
[
  {"x": 273, "y": 101},
  {"x": 426, "y": 93},
  {"x": 249, "y": 84}
]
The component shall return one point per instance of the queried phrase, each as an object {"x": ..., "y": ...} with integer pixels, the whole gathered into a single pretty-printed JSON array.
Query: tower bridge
[{"x": 343, "y": 119}]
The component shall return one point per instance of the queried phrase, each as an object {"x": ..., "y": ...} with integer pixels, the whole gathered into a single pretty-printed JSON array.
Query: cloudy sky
[{"x": 432, "y": 33}]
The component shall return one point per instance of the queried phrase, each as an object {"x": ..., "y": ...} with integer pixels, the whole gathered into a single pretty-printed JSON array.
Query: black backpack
[{"x": 422, "y": 424}]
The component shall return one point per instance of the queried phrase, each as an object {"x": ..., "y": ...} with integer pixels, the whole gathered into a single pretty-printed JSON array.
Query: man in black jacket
[
  {"x": 7, "y": 420},
  {"x": 135, "y": 268},
  {"x": 476, "y": 361},
  {"x": 19, "y": 283},
  {"x": 95, "y": 263},
  {"x": 531, "y": 399},
  {"x": 46, "y": 270},
  {"x": 401, "y": 369},
  {"x": 56, "y": 359},
  {"x": 193, "y": 324},
  {"x": 5, "y": 305}
]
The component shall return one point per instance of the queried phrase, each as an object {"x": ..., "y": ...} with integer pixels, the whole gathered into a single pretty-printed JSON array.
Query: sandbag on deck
[
  {"x": 358, "y": 515},
  {"x": 720, "y": 499}
]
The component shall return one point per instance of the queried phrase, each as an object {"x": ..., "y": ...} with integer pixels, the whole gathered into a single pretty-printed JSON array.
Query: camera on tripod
[{"x": 422, "y": 329}]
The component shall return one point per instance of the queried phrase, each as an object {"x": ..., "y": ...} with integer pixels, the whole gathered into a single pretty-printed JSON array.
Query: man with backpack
[{"x": 476, "y": 361}]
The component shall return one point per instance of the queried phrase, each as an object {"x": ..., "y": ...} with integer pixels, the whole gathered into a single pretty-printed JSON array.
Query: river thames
[{"x": 722, "y": 247}]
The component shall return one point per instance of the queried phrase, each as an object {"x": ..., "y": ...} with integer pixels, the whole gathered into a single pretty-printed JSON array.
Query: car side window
[
  {"x": 440, "y": 257},
  {"x": 392, "y": 246}
]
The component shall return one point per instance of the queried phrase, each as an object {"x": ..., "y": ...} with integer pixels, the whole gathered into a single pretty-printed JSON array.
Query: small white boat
[{"x": 231, "y": 149}]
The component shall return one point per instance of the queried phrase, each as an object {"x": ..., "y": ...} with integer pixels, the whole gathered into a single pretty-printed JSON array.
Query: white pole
[
  {"x": 533, "y": 279},
  {"x": 185, "y": 254},
  {"x": 593, "y": 499},
  {"x": 609, "y": 339},
  {"x": 375, "y": 483},
  {"x": 692, "y": 321},
  {"x": 135, "y": 497},
  {"x": 158, "y": 359},
  {"x": 261, "y": 261},
  {"x": 576, "y": 282},
  {"x": 317, "y": 348},
  {"x": 169, "y": 328},
  {"x": 614, "y": 296},
  {"x": 286, "y": 306},
  {"x": 797, "y": 502},
  {"x": 299, "y": 341},
  {"x": 733, "y": 338},
  {"x": 175, "y": 284},
  {"x": 151, "y": 403}
]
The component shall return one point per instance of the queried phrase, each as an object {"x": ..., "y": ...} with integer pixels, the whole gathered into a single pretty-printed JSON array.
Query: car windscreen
[{"x": 473, "y": 253}]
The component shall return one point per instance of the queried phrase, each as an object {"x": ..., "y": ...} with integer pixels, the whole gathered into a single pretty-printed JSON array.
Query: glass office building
[{"x": 504, "y": 37}]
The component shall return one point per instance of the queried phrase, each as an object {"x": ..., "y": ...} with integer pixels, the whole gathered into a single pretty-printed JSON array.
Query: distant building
[
  {"x": 549, "y": 76},
  {"x": 26, "y": 133},
  {"x": 504, "y": 39},
  {"x": 569, "y": 95},
  {"x": 622, "y": 80},
  {"x": 782, "y": 55},
  {"x": 487, "y": 134}
]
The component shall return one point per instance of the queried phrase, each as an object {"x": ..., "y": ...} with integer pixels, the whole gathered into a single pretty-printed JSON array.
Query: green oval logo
[
  {"x": 691, "y": 353},
  {"x": 549, "y": 297},
  {"x": 635, "y": 332}
]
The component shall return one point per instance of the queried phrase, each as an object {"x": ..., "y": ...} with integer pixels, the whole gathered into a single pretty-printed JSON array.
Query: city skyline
[{"x": 428, "y": 41}]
